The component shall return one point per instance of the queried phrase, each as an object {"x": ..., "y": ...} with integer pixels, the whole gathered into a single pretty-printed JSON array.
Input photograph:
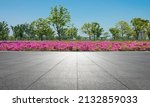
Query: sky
[{"x": 105, "y": 12}]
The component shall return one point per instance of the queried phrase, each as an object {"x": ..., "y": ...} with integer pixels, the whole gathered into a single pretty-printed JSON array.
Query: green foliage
[
  {"x": 29, "y": 32},
  {"x": 4, "y": 31},
  {"x": 87, "y": 29},
  {"x": 71, "y": 33},
  {"x": 115, "y": 33},
  {"x": 92, "y": 30},
  {"x": 59, "y": 18},
  {"x": 126, "y": 32},
  {"x": 139, "y": 26},
  {"x": 96, "y": 30},
  {"x": 123, "y": 27},
  {"x": 130, "y": 34},
  {"x": 105, "y": 36},
  {"x": 18, "y": 31},
  {"x": 42, "y": 29},
  {"x": 148, "y": 30}
]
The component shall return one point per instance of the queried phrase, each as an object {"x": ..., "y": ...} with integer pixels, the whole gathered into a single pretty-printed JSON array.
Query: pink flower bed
[{"x": 74, "y": 46}]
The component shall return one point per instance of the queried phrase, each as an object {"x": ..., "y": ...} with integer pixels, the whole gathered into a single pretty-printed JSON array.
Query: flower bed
[{"x": 74, "y": 46}]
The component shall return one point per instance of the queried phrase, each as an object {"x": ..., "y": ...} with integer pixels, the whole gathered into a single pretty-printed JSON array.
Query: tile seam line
[
  {"x": 22, "y": 70},
  {"x": 77, "y": 70},
  {"x": 109, "y": 73},
  {"x": 112, "y": 61},
  {"x": 45, "y": 73},
  {"x": 22, "y": 62}
]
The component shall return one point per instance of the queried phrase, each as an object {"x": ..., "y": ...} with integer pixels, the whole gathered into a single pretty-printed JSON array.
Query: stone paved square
[{"x": 74, "y": 70}]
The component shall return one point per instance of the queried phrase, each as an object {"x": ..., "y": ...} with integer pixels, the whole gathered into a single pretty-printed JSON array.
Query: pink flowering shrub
[{"x": 74, "y": 46}]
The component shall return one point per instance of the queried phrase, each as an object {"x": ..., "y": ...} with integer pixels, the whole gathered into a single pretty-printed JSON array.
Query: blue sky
[{"x": 106, "y": 12}]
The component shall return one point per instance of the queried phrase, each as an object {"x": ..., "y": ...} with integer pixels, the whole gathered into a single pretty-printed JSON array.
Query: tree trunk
[
  {"x": 137, "y": 35},
  {"x": 128, "y": 37},
  {"x": 94, "y": 38},
  {"x": 97, "y": 38},
  {"x": 41, "y": 37},
  {"x": 114, "y": 37},
  {"x": 59, "y": 36},
  {"x": 58, "y": 33},
  {"x": 149, "y": 36},
  {"x": 122, "y": 33},
  {"x": 89, "y": 37}
]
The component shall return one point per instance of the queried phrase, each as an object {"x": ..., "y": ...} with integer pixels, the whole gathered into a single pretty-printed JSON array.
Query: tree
[
  {"x": 123, "y": 27},
  {"x": 105, "y": 35},
  {"x": 96, "y": 30},
  {"x": 29, "y": 32},
  {"x": 115, "y": 33},
  {"x": 148, "y": 30},
  {"x": 4, "y": 31},
  {"x": 71, "y": 32},
  {"x": 130, "y": 33},
  {"x": 139, "y": 26},
  {"x": 59, "y": 18},
  {"x": 41, "y": 28},
  {"x": 86, "y": 28},
  {"x": 92, "y": 29},
  {"x": 18, "y": 31}
]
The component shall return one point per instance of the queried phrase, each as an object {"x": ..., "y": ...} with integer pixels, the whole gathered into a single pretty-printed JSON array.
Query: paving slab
[{"x": 74, "y": 70}]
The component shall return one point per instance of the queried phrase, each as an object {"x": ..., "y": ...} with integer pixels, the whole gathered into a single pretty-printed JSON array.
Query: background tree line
[{"x": 58, "y": 27}]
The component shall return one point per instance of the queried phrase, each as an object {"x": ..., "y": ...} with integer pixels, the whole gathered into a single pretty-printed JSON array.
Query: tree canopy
[
  {"x": 114, "y": 32},
  {"x": 139, "y": 26},
  {"x": 71, "y": 33},
  {"x": 123, "y": 27},
  {"x": 19, "y": 31},
  {"x": 148, "y": 30},
  {"x": 41, "y": 28},
  {"x": 59, "y": 18},
  {"x": 4, "y": 31},
  {"x": 92, "y": 30}
]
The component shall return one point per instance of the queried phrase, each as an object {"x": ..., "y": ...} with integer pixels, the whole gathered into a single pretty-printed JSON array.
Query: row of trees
[
  {"x": 57, "y": 26},
  {"x": 138, "y": 30}
]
